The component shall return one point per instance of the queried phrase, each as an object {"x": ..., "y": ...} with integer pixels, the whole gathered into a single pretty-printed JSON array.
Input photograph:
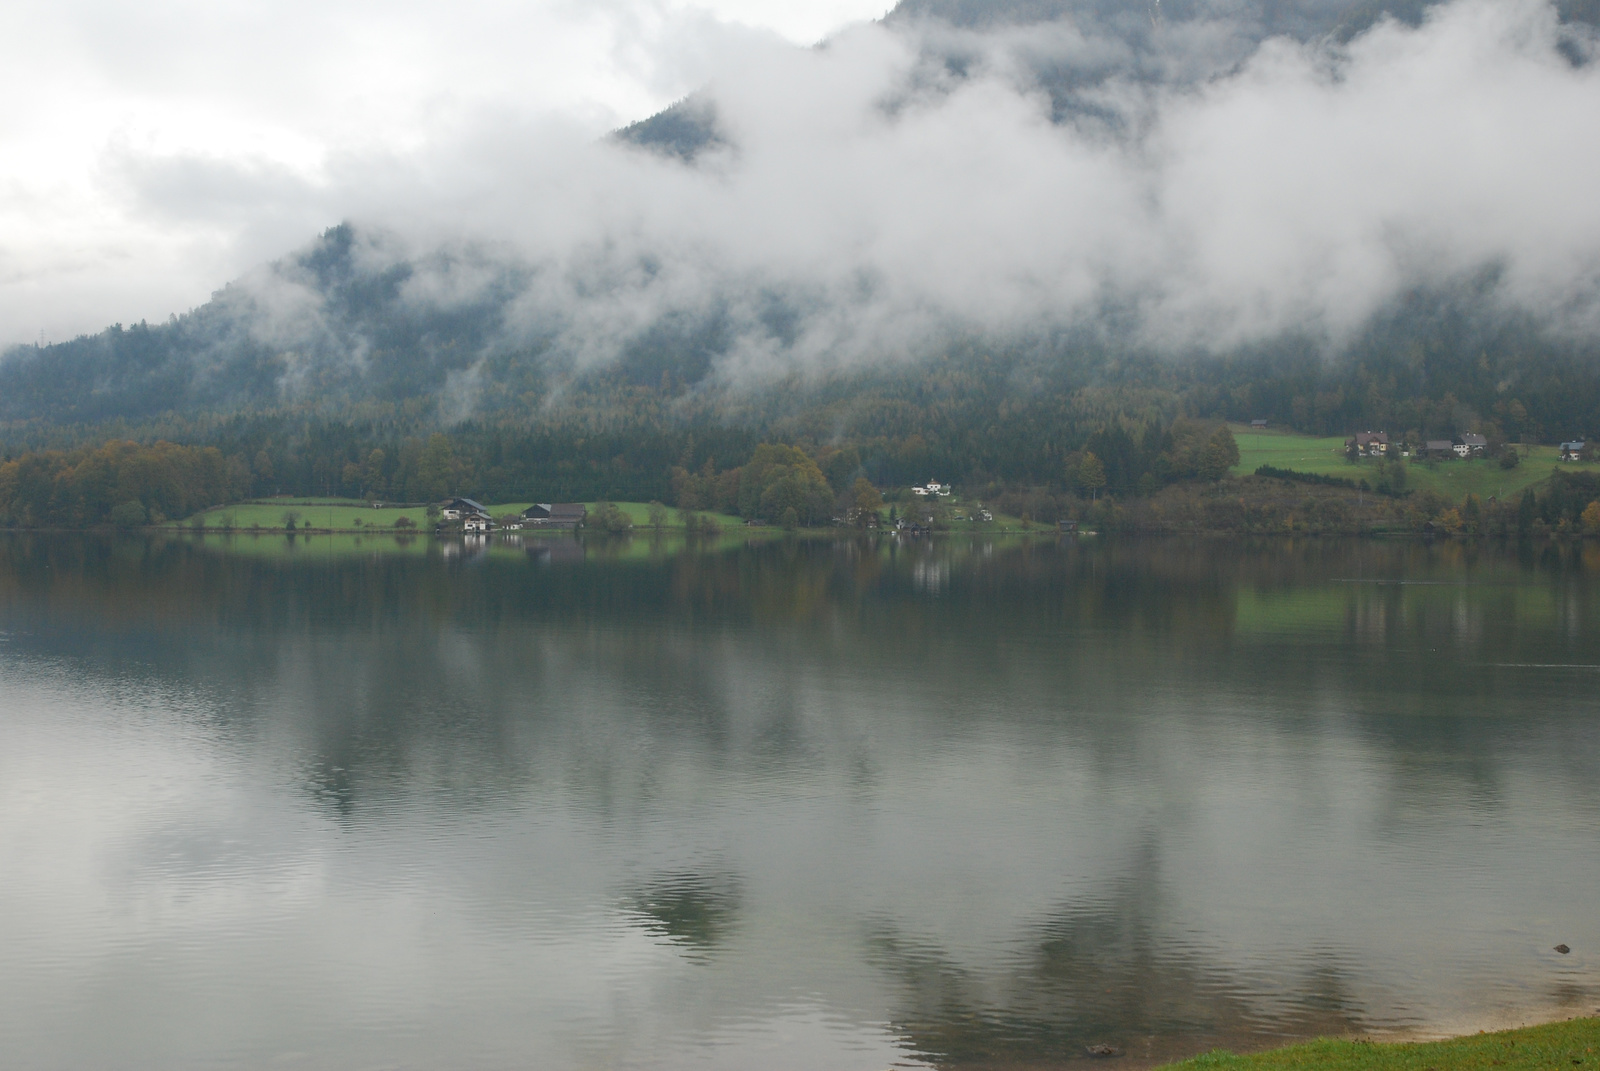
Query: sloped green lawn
[
  {"x": 1453, "y": 479},
  {"x": 1570, "y": 1046}
]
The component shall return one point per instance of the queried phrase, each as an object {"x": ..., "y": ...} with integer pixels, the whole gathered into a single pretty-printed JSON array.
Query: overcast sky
[
  {"x": 92, "y": 90},
  {"x": 153, "y": 154}
]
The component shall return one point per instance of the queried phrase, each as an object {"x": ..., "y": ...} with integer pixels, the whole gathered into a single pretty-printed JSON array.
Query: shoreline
[
  {"x": 1382, "y": 535},
  {"x": 1398, "y": 1048},
  {"x": 1572, "y": 1041}
]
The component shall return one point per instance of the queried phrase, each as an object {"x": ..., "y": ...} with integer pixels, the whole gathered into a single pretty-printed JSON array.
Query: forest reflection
[
  {"x": 390, "y": 652},
  {"x": 1022, "y": 797}
]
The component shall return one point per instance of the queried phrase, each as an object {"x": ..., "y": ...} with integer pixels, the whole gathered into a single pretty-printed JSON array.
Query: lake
[{"x": 805, "y": 803}]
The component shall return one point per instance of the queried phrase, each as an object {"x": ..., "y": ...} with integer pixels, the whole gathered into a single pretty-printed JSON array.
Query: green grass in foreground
[
  {"x": 1453, "y": 479},
  {"x": 1567, "y": 1046}
]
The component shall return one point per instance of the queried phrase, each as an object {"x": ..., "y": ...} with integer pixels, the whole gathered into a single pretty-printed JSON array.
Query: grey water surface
[{"x": 820, "y": 804}]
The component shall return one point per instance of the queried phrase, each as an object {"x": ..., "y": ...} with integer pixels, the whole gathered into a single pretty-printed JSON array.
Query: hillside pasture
[{"x": 1454, "y": 479}]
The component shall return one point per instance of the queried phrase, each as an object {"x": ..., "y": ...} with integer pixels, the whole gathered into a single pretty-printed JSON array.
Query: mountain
[
  {"x": 1159, "y": 41},
  {"x": 362, "y": 325}
]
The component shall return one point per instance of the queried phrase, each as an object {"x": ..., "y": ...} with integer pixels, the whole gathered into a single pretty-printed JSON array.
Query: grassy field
[
  {"x": 1570, "y": 1046},
  {"x": 1454, "y": 479},
  {"x": 308, "y": 546},
  {"x": 350, "y": 515}
]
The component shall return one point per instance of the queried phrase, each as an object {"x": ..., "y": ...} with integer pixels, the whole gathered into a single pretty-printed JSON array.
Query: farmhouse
[
  {"x": 1259, "y": 424},
  {"x": 1439, "y": 448},
  {"x": 1572, "y": 451},
  {"x": 1471, "y": 445},
  {"x": 459, "y": 509},
  {"x": 940, "y": 489},
  {"x": 1368, "y": 443}
]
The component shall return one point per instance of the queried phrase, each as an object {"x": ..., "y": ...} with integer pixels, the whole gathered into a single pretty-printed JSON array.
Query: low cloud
[{"x": 1190, "y": 188}]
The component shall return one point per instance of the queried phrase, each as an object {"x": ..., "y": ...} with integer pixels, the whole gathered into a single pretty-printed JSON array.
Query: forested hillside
[
  {"x": 333, "y": 369},
  {"x": 1435, "y": 364}
]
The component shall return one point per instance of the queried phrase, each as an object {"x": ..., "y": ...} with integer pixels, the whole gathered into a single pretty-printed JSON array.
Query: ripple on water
[{"x": 768, "y": 809}]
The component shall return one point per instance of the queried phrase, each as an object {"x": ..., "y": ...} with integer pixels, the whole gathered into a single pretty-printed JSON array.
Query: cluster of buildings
[
  {"x": 935, "y": 489},
  {"x": 1467, "y": 444},
  {"x": 474, "y": 516},
  {"x": 1376, "y": 444}
]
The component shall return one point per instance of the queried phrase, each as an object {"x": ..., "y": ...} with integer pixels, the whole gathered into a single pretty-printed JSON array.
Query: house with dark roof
[
  {"x": 459, "y": 509},
  {"x": 1573, "y": 451},
  {"x": 1368, "y": 443},
  {"x": 1439, "y": 448},
  {"x": 557, "y": 515}
]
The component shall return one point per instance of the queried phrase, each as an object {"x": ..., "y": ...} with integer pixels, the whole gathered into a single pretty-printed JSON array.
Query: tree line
[
  {"x": 120, "y": 483},
  {"x": 1164, "y": 479},
  {"x": 726, "y": 470}
]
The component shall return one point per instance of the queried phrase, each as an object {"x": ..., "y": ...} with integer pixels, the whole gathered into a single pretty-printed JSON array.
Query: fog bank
[{"x": 1186, "y": 189}]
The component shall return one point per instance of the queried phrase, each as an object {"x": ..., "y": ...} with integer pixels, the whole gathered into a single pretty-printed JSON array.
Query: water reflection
[
  {"x": 694, "y": 910},
  {"x": 830, "y": 803}
]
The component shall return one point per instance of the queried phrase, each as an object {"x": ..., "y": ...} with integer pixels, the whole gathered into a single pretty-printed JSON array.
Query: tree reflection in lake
[{"x": 798, "y": 803}]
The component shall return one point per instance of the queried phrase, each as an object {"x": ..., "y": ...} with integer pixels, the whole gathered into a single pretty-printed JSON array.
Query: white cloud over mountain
[{"x": 873, "y": 191}]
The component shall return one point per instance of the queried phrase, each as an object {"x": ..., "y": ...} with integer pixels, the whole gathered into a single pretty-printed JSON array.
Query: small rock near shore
[{"x": 1563, "y": 949}]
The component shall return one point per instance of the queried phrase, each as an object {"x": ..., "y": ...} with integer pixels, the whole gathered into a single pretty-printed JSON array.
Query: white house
[{"x": 940, "y": 489}]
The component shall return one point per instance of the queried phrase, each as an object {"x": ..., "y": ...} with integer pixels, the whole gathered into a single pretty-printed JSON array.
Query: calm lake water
[{"x": 812, "y": 805}]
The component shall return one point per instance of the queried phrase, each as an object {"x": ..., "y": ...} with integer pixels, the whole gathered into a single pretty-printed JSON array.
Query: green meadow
[
  {"x": 353, "y": 515},
  {"x": 1453, "y": 479},
  {"x": 1573, "y": 1045}
]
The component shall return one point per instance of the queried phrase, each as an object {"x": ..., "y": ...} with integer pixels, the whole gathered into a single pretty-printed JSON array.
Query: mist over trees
[{"x": 1041, "y": 252}]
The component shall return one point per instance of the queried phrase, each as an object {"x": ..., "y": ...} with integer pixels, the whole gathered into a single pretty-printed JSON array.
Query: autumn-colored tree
[
  {"x": 1221, "y": 453},
  {"x": 867, "y": 502},
  {"x": 780, "y": 478},
  {"x": 1091, "y": 475},
  {"x": 1591, "y": 518}
]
